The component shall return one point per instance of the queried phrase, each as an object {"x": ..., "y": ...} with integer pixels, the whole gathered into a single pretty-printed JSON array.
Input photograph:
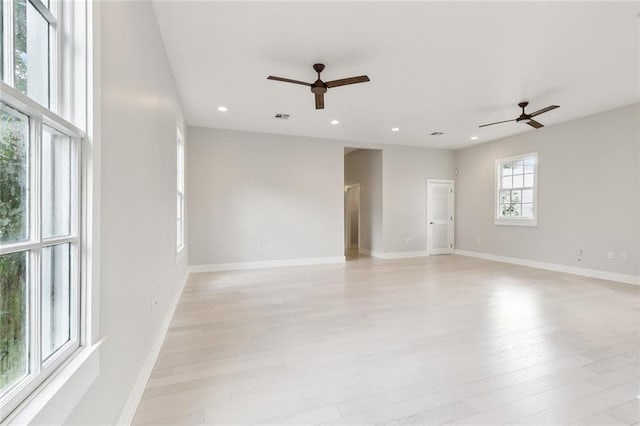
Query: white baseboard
[
  {"x": 266, "y": 264},
  {"x": 392, "y": 255},
  {"x": 585, "y": 272},
  {"x": 135, "y": 394},
  {"x": 403, "y": 254}
]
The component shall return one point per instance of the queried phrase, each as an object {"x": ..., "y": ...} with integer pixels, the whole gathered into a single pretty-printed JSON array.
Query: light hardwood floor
[{"x": 446, "y": 339}]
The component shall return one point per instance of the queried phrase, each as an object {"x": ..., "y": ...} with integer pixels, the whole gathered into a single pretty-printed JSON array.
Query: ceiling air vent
[
  {"x": 436, "y": 134},
  {"x": 282, "y": 116}
]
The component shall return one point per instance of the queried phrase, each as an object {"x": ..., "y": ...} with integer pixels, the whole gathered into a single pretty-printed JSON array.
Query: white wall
[
  {"x": 405, "y": 174},
  {"x": 261, "y": 197},
  {"x": 364, "y": 166},
  {"x": 589, "y": 194},
  {"x": 140, "y": 110}
]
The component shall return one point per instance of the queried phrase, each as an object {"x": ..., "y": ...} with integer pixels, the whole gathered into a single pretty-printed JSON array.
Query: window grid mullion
[{"x": 36, "y": 253}]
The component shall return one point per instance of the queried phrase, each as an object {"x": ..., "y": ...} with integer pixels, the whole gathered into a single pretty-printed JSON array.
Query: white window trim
[{"x": 515, "y": 221}]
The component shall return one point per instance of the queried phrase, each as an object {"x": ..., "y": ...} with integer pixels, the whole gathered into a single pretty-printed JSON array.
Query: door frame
[
  {"x": 452, "y": 207},
  {"x": 347, "y": 218}
]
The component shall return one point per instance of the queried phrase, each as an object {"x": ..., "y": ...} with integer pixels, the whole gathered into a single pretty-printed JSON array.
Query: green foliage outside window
[{"x": 13, "y": 227}]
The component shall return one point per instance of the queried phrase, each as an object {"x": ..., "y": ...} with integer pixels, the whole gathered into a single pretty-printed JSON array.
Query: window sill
[
  {"x": 56, "y": 398},
  {"x": 516, "y": 222}
]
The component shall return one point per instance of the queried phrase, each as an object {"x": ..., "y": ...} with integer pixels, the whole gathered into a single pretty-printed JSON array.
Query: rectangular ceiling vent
[{"x": 282, "y": 116}]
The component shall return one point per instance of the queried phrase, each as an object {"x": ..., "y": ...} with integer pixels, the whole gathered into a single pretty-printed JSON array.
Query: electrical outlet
[
  {"x": 623, "y": 255},
  {"x": 611, "y": 255},
  {"x": 154, "y": 303}
]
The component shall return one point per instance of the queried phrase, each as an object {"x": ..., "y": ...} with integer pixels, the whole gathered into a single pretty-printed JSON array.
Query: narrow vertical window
[{"x": 180, "y": 240}]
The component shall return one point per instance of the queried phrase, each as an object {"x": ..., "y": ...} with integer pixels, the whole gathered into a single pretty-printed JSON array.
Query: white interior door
[{"x": 440, "y": 214}]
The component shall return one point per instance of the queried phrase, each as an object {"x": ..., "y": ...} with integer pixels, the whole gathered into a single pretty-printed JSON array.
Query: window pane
[
  {"x": 505, "y": 197},
  {"x": 528, "y": 166},
  {"x": 56, "y": 293},
  {"x": 506, "y": 169},
  {"x": 56, "y": 184},
  {"x": 31, "y": 52},
  {"x": 528, "y": 181},
  {"x": 516, "y": 196},
  {"x": 179, "y": 206},
  {"x": 527, "y": 210},
  {"x": 506, "y": 209},
  {"x": 527, "y": 196},
  {"x": 518, "y": 181},
  {"x": 14, "y": 172},
  {"x": 516, "y": 210},
  {"x": 506, "y": 182},
  {"x": 13, "y": 319},
  {"x": 518, "y": 167}
]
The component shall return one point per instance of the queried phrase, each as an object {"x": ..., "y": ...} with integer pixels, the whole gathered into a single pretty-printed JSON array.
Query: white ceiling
[{"x": 433, "y": 66}]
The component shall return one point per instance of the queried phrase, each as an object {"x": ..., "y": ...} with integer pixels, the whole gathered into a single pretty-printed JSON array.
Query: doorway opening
[
  {"x": 352, "y": 220},
  {"x": 362, "y": 203}
]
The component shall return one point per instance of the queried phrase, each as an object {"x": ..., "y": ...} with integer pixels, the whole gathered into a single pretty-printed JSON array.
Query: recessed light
[
  {"x": 223, "y": 108},
  {"x": 395, "y": 129},
  {"x": 474, "y": 138},
  {"x": 334, "y": 122}
]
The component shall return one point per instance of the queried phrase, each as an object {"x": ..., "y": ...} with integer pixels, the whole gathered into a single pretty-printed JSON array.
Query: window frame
[
  {"x": 69, "y": 97},
  {"x": 510, "y": 220},
  {"x": 40, "y": 369}
]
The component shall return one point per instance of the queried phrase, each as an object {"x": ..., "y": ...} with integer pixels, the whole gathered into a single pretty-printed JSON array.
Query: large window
[
  {"x": 180, "y": 191},
  {"x": 39, "y": 203},
  {"x": 516, "y": 190}
]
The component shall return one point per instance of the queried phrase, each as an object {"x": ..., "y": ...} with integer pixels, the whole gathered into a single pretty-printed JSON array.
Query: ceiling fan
[
  {"x": 524, "y": 116},
  {"x": 319, "y": 88}
]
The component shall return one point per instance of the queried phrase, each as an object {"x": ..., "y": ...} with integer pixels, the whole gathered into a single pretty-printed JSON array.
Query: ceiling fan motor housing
[
  {"x": 523, "y": 116},
  {"x": 319, "y": 87}
]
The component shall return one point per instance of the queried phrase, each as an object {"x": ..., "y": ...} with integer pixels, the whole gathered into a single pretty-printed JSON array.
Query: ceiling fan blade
[
  {"x": 543, "y": 110},
  {"x": 319, "y": 100},
  {"x": 535, "y": 124},
  {"x": 497, "y": 122},
  {"x": 288, "y": 80},
  {"x": 345, "y": 81}
]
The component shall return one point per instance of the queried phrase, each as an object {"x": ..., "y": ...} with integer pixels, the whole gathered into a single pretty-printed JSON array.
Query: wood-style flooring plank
[{"x": 436, "y": 340}]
